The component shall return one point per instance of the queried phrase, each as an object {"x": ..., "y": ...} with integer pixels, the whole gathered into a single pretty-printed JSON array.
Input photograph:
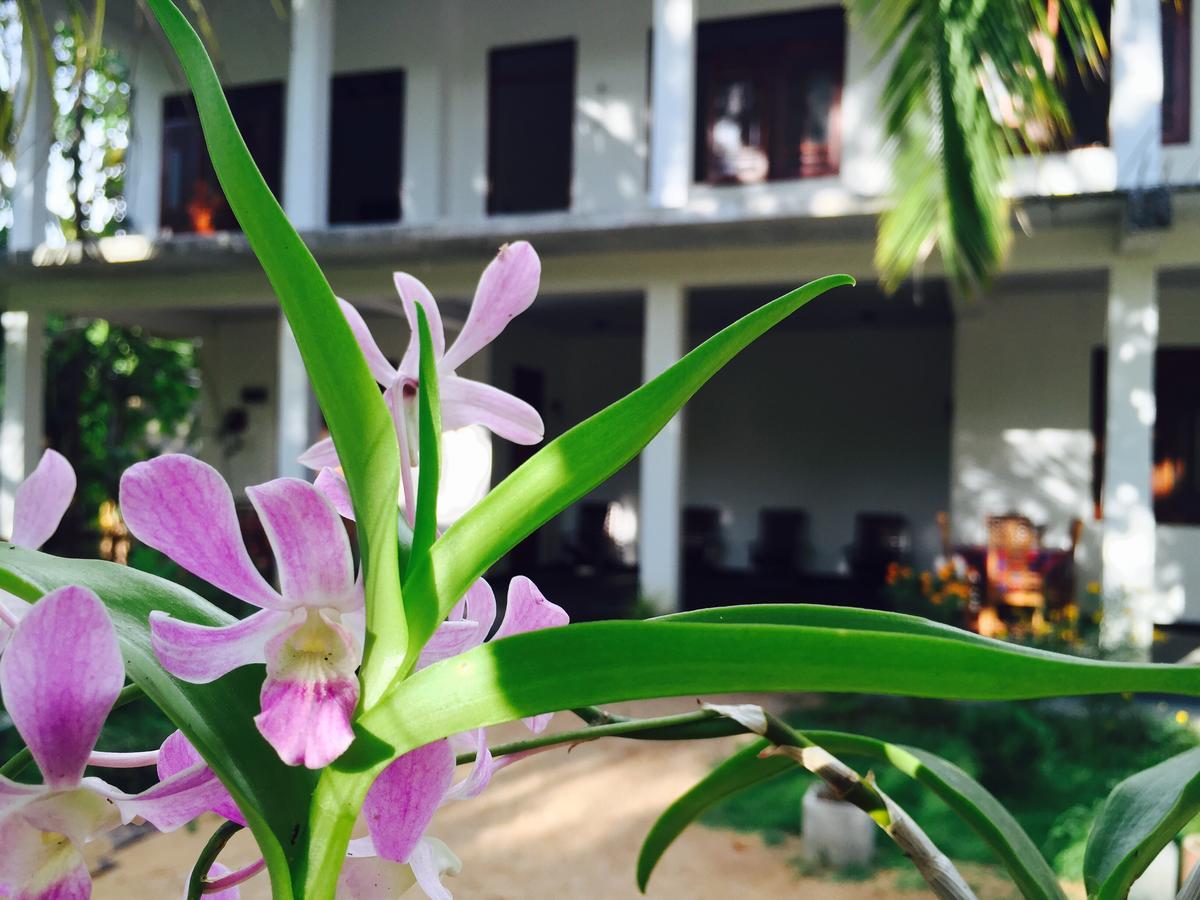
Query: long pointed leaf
[
  {"x": 1141, "y": 815},
  {"x": 430, "y": 431},
  {"x": 356, "y": 413},
  {"x": 612, "y": 661},
  {"x": 217, "y": 718},
  {"x": 570, "y": 466},
  {"x": 968, "y": 799}
]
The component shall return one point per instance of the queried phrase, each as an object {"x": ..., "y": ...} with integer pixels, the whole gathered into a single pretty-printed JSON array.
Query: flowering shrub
[
  {"x": 332, "y": 720},
  {"x": 944, "y": 594}
]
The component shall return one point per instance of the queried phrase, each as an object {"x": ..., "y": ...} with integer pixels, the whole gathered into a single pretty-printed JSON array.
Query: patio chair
[
  {"x": 703, "y": 547},
  {"x": 1012, "y": 578},
  {"x": 880, "y": 539},
  {"x": 592, "y": 546},
  {"x": 782, "y": 542}
]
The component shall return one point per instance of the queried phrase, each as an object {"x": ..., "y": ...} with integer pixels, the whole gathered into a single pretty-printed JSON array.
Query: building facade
[{"x": 677, "y": 163}]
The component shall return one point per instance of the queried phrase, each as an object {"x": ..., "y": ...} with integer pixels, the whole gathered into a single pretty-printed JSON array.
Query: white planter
[
  {"x": 1160, "y": 881},
  {"x": 835, "y": 833}
]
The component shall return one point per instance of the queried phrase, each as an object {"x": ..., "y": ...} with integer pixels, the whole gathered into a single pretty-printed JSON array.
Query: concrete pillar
[
  {"x": 661, "y": 463},
  {"x": 306, "y": 201},
  {"x": 1135, "y": 111},
  {"x": 306, "y": 137},
  {"x": 1129, "y": 526},
  {"x": 144, "y": 183},
  {"x": 22, "y": 425},
  {"x": 33, "y": 160},
  {"x": 672, "y": 84}
]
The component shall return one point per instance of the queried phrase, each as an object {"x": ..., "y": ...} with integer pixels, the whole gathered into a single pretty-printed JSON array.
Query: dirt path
[{"x": 564, "y": 825}]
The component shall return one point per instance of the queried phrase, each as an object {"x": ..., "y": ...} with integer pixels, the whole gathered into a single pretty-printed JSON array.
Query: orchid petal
[
  {"x": 183, "y": 507},
  {"x": 203, "y": 653},
  {"x": 430, "y": 860},
  {"x": 215, "y": 872},
  {"x": 480, "y": 605},
  {"x": 14, "y": 795},
  {"x": 310, "y": 692},
  {"x": 529, "y": 610},
  {"x": 37, "y": 866},
  {"x": 371, "y": 877},
  {"x": 311, "y": 547},
  {"x": 170, "y": 804},
  {"x": 321, "y": 455},
  {"x": 12, "y": 610},
  {"x": 451, "y": 638},
  {"x": 481, "y": 772},
  {"x": 506, "y": 288},
  {"x": 60, "y": 676},
  {"x": 41, "y": 500},
  {"x": 80, "y": 813},
  {"x": 177, "y": 755},
  {"x": 403, "y": 799},
  {"x": 332, "y": 485},
  {"x": 377, "y": 363},
  {"x": 412, "y": 292},
  {"x": 467, "y": 402}
]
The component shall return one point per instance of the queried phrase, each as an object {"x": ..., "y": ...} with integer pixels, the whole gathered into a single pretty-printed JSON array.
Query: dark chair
[
  {"x": 592, "y": 545},
  {"x": 781, "y": 547},
  {"x": 702, "y": 544},
  {"x": 880, "y": 539}
]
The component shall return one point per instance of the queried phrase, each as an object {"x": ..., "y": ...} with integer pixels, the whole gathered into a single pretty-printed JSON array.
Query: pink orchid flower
[
  {"x": 40, "y": 503},
  {"x": 506, "y": 289},
  {"x": 397, "y": 852},
  {"x": 59, "y": 678},
  {"x": 304, "y": 632}
]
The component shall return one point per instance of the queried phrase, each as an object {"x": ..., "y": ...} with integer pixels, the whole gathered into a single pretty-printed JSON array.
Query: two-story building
[{"x": 677, "y": 163}]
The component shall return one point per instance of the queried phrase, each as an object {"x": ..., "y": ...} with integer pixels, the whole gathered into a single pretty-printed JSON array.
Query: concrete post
[
  {"x": 306, "y": 201},
  {"x": 661, "y": 463},
  {"x": 672, "y": 80},
  {"x": 1129, "y": 526},
  {"x": 1135, "y": 111},
  {"x": 33, "y": 160},
  {"x": 22, "y": 425}
]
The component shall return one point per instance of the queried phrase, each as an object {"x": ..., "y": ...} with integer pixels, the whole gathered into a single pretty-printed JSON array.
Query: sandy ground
[{"x": 560, "y": 825}]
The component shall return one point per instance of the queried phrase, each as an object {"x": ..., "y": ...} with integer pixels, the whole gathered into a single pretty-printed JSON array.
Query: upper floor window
[
  {"x": 768, "y": 96},
  {"x": 531, "y": 123},
  {"x": 1177, "y": 71},
  {"x": 191, "y": 199},
  {"x": 366, "y": 139}
]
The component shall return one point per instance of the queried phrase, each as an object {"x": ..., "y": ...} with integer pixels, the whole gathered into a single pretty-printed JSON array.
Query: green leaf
[
  {"x": 604, "y": 662},
  {"x": 571, "y": 465},
  {"x": 430, "y": 432},
  {"x": 355, "y": 411},
  {"x": 1141, "y": 815},
  {"x": 217, "y": 718},
  {"x": 968, "y": 799}
]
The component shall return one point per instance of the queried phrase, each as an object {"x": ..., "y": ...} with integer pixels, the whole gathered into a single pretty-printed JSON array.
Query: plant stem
[
  {"x": 16, "y": 763},
  {"x": 199, "y": 877}
]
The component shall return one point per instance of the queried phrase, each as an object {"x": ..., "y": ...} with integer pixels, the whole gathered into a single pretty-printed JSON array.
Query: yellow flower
[
  {"x": 1181, "y": 716},
  {"x": 1093, "y": 587}
]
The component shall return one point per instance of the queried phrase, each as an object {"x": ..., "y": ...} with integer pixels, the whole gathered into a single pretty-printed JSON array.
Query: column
[
  {"x": 672, "y": 80},
  {"x": 293, "y": 406},
  {"x": 1135, "y": 111},
  {"x": 661, "y": 463},
  {"x": 306, "y": 136},
  {"x": 306, "y": 201},
  {"x": 33, "y": 160},
  {"x": 21, "y": 428},
  {"x": 1129, "y": 527},
  {"x": 144, "y": 181}
]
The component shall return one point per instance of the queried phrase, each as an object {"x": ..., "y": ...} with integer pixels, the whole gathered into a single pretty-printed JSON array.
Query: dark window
[
  {"x": 1177, "y": 71},
  {"x": 192, "y": 200},
  {"x": 768, "y": 96},
  {"x": 531, "y": 120},
  {"x": 366, "y": 137},
  {"x": 1175, "y": 479},
  {"x": 1086, "y": 93}
]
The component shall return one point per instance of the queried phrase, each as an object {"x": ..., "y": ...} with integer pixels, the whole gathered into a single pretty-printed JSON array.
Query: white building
[{"x": 420, "y": 136}]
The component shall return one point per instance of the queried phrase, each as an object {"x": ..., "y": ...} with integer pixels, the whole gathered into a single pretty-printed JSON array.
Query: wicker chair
[{"x": 1013, "y": 546}]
